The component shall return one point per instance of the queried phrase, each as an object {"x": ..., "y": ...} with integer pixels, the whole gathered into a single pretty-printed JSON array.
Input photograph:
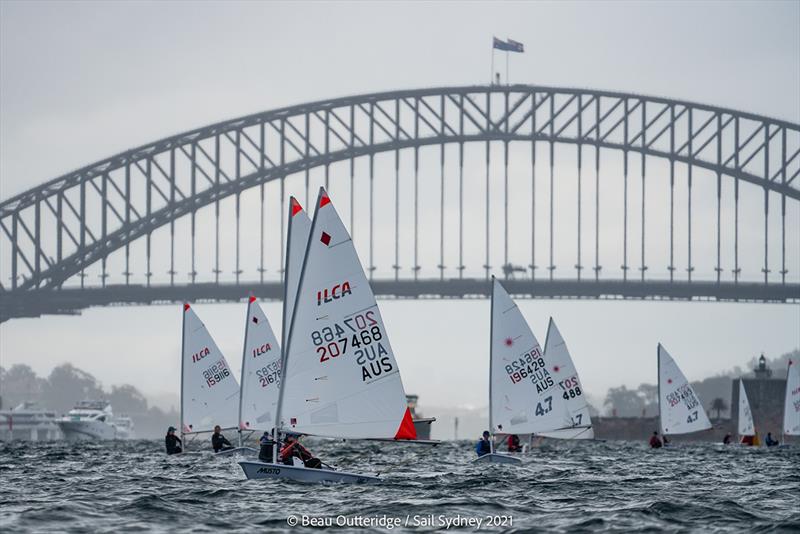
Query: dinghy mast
[
  {"x": 491, "y": 360},
  {"x": 183, "y": 363},
  {"x": 295, "y": 256},
  {"x": 791, "y": 405},
  {"x": 658, "y": 381},
  {"x": 244, "y": 366}
]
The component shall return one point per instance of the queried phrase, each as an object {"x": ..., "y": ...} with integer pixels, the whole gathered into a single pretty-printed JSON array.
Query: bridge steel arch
[{"x": 53, "y": 231}]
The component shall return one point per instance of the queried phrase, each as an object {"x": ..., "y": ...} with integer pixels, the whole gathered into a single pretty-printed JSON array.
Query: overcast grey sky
[{"x": 81, "y": 81}]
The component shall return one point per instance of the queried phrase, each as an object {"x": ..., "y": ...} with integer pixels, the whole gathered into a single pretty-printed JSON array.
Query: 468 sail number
[{"x": 333, "y": 341}]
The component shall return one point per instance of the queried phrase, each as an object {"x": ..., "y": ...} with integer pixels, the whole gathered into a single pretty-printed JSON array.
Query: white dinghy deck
[
  {"x": 256, "y": 470},
  {"x": 497, "y": 458}
]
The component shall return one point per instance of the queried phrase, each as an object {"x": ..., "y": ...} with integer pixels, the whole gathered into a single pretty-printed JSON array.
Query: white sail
[
  {"x": 341, "y": 378},
  {"x": 209, "y": 392},
  {"x": 299, "y": 228},
  {"x": 680, "y": 408},
  {"x": 572, "y": 393},
  {"x": 261, "y": 371},
  {"x": 524, "y": 397},
  {"x": 791, "y": 407},
  {"x": 746, "y": 425}
]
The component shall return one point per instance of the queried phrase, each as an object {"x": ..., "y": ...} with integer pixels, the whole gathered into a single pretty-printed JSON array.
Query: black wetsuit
[
  {"x": 483, "y": 447},
  {"x": 265, "y": 454},
  {"x": 173, "y": 444},
  {"x": 220, "y": 442}
]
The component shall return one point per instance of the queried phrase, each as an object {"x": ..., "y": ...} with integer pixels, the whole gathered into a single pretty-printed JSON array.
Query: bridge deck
[{"x": 34, "y": 303}]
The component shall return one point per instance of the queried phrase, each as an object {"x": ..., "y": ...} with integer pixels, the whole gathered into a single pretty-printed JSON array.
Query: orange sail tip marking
[
  {"x": 325, "y": 199},
  {"x": 252, "y": 298},
  {"x": 406, "y": 430},
  {"x": 186, "y": 306},
  {"x": 296, "y": 207}
]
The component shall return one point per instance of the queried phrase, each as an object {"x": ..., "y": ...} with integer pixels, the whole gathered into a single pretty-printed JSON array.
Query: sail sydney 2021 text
[{"x": 442, "y": 521}]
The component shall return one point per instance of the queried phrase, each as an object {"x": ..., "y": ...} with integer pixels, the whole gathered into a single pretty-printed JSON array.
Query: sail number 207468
[{"x": 355, "y": 332}]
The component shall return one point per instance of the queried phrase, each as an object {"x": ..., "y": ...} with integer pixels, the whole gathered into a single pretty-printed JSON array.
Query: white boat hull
[
  {"x": 497, "y": 458},
  {"x": 88, "y": 430},
  {"x": 242, "y": 451},
  {"x": 261, "y": 470}
]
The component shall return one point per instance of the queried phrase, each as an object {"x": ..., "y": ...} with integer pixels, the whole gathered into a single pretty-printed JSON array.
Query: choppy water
[{"x": 560, "y": 487}]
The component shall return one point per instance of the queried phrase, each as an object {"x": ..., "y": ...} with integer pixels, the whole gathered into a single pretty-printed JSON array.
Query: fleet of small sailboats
[{"x": 337, "y": 375}]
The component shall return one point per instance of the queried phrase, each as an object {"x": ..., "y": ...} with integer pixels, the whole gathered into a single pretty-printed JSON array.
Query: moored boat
[{"x": 92, "y": 420}]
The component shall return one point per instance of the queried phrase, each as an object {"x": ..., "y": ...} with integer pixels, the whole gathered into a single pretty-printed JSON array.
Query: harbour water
[{"x": 561, "y": 486}]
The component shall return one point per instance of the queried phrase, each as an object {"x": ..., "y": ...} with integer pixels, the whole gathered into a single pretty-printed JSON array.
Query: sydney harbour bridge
[{"x": 565, "y": 193}]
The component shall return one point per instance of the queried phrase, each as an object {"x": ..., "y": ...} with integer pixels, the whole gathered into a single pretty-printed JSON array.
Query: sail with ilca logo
[
  {"x": 261, "y": 371},
  {"x": 341, "y": 377},
  {"x": 209, "y": 392},
  {"x": 680, "y": 409}
]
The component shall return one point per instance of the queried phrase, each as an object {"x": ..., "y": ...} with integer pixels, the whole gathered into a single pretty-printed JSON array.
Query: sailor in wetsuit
[
  {"x": 172, "y": 441},
  {"x": 218, "y": 441},
  {"x": 483, "y": 446},
  {"x": 655, "y": 441},
  {"x": 294, "y": 449},
  {"x": 267, "y": 444}
]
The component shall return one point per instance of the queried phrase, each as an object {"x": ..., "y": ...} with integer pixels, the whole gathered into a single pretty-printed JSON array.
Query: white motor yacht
[{"x": 94, "y": 420}]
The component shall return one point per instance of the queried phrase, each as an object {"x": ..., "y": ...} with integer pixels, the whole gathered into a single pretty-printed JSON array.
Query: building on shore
[
  {"x": 766, "y": 396},
  {"x": 29, "y": 422}
]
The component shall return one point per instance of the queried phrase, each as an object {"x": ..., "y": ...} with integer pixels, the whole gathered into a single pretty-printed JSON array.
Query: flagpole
[{"x": 491, "y": 74}]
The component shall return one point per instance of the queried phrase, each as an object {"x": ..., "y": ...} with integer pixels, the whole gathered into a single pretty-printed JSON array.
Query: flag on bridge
[
  {"x": 516, "y": 46},
  {"x": 507, "y": 46}
]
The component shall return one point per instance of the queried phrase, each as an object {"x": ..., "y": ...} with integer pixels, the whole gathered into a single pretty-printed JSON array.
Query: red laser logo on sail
[
  {"x": 200, "y": 355},
  {"x": 336, "y": 292}
]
